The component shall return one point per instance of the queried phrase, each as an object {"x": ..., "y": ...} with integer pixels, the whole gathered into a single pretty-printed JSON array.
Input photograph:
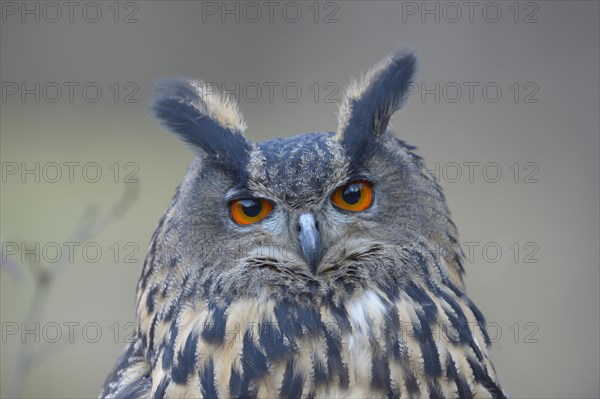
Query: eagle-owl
[{"x": 321, "y": 265}]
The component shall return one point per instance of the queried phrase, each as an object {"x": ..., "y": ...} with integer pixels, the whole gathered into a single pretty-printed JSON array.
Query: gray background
[{"x": 543, "y": 315}]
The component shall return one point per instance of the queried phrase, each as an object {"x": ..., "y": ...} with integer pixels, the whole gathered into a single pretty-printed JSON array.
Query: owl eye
[
  {"x": 249, "y": 210},
  {"x": 355, "y": 196}
]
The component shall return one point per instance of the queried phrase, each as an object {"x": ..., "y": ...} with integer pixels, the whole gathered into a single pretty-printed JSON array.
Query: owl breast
[{"x": 370, "y": 346}]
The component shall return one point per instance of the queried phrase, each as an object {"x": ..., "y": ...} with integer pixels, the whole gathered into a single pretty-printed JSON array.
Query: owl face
[{"x": 320, "y": 213}]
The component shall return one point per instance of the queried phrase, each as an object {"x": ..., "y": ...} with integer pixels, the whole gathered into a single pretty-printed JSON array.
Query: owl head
[{"x": 317, "y": 215}]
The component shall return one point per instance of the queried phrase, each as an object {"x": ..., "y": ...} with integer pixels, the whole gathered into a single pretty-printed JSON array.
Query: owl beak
[{"x": 310, "y": 239}]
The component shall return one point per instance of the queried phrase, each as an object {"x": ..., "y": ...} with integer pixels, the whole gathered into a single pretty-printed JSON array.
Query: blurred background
[{"x": 505, "y": 113}]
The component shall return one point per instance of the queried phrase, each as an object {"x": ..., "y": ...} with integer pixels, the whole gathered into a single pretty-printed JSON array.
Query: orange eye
[
  {"x": 355, "y": 196},
  {"x": 249, "y": 210}
]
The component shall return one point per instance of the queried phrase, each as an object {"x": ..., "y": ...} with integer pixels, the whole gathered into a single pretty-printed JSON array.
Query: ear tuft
[
  {"x": 202, "y": 117},
  {"x": 206, "y": 100},
  {"x": 368, "y": 105}
]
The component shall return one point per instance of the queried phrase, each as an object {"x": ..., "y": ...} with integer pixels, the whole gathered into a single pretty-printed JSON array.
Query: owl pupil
[
  {"x": 351, "y": 194},
  {"x": 251, "y": 207}
]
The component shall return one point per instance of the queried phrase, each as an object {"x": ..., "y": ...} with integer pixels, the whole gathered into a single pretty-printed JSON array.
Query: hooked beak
[{"x": 310, "y": 239}]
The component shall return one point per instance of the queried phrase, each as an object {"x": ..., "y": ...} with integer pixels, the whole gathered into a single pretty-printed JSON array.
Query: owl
[{"x": 320, "y": 265}]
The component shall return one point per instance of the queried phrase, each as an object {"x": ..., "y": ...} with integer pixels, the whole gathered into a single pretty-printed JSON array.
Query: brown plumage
[{"x": 323, "y": 265}]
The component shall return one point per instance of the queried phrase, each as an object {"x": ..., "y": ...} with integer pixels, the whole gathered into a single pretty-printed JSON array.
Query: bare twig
[{"x": 89, "y": 226}]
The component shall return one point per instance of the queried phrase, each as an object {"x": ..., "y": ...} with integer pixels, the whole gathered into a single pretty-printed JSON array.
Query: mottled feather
[{"x": 231, "y": 310}]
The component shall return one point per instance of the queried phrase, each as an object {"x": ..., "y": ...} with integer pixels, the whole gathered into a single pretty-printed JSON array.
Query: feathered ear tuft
[
  {"x": 368, "y": 105},
  {"x": 204, "y": 118}
]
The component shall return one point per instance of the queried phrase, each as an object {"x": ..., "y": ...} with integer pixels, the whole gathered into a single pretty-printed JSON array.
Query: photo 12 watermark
[
  {"x": 488, "y": 172},
  {"x": 69, "y": 172},
  {"x": 326, "y": 12},
  {"x": 70, "y": 252},
  {"x": 452, "y": 12},
  {"x": 53, "y": 12},
  {"x": 69, "y": 92}
]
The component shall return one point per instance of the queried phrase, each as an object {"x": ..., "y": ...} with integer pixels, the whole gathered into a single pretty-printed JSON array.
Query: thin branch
[{"x": 89, "y": 226}]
